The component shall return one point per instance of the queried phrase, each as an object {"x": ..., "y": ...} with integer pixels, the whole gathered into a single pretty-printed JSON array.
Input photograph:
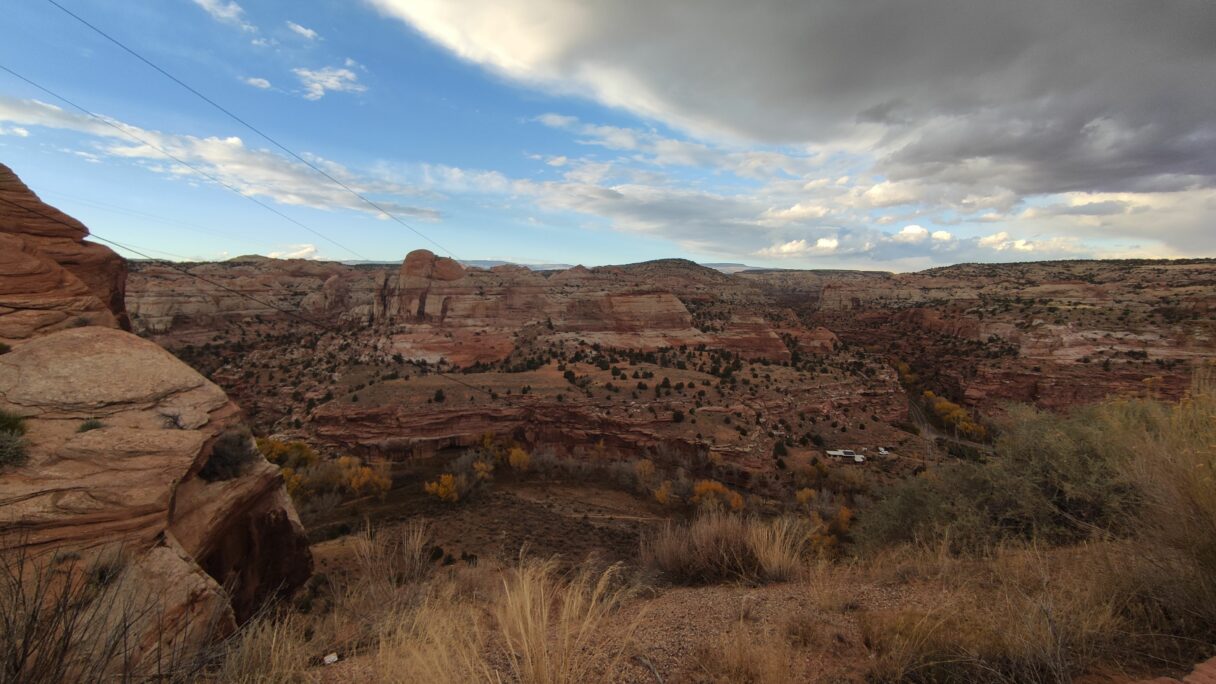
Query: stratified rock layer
[
  {"x": 133, "y": 484},
  {"x": 36, "y": 297},
  {"x": 205, "y": 553}
]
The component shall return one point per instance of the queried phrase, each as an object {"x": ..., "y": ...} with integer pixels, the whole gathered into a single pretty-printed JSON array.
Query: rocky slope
[
  {"x": 432, "y": 308},
  {"x": 122, "y": 443},
  {"x": 559, "y": 358},
  {"x": 1053, "y": 334}
]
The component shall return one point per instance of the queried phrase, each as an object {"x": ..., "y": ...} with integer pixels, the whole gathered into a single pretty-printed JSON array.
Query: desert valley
[{"x": 288, "y": 470}]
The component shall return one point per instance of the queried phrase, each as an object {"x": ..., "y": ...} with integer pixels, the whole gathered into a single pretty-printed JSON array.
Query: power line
[
  {"x": 251, "y": 127},
  {"x": 177, "y": 159},
  {"x": 187, "y": 272}
]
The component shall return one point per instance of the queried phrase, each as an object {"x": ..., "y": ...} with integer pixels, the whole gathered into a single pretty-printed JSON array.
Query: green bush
[
  {"x": 4, "y": 348},
  {"x": 230, "y": 453},
  {"x": 11, "y": 422},
  {"x": 12, "y": 449},
  {"x": 90, "y": 424},
  {"x": 1054, "y": 478}
]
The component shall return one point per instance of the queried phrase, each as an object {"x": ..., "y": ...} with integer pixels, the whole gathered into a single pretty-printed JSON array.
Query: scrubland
[{"x": 1084, "y": 547}]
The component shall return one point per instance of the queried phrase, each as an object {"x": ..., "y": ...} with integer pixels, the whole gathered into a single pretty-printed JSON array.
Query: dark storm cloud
[{"x": 1035, "y": 95}]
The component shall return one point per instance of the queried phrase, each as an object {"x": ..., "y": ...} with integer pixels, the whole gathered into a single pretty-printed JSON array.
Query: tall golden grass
[
  {"x": 722, "y": 547},
  {"x": 1140, "y": 596}
]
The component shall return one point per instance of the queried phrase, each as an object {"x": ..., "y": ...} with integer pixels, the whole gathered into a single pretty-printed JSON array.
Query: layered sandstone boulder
[
  {"x": 58, "y": 238},
  {"x": 133, "y": 486},
  {"x": 122, "y": 445}
]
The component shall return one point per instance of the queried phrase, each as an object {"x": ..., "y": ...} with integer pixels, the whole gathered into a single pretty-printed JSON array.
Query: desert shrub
[
  {"x": 65, "y": 620},
  {"x": 519, "y": 459},
  {"x": 644, "y": 470},
  {"x": 739, "y": 657},
  {"x": 1054, "y": 478},
  {"x": 11, "y": 422},
  {"x": 483, "y": 469},
  {"x": 1021, "y": 617},
  {"x": 554, "y": 628},
  {"x": 664, "y": 493},
  {"x": 5, "y": 348},
  {"x": 230, "y": 453},
  {"x": 1137, "y": 473},
  {"x": 307, "y": 477},
  {"x": 954, "y": 417},
  {"x": 440, "y": 642},
  {"x": 13, "y": 449},
  {"x": 713, "y": 495},
  {"x": 450, "y": 488},
  {"x": 720, "y": 547},
  {"x": 266, "y": 650},
  {"x": 90, "y": 424},
  {"x": 362, "y": 480},
  {"x": 294, "y": 455}
]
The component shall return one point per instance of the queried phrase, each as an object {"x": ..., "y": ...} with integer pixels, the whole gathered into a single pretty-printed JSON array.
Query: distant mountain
[
  {"x": 730, "y": 268},
  {"x": 489, "y": 263},
  {"x": 475, "y": 263}
]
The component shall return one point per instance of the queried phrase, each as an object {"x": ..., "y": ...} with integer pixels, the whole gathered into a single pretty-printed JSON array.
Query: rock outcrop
[
  {"x": 119, "y": 435},
  {"x": 37, "y": 297},
  {"x": 433, "y": 308}
]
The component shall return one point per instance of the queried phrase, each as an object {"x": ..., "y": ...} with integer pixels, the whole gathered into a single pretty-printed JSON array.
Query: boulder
[{"x": 134, "y": 486}]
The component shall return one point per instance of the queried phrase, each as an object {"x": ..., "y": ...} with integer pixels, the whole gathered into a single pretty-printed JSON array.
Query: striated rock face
[
  {"x": 206, "y": 553},
  {"x": 1054, "y": 334},
  {"x": 134, "y": 484},
  {"x": 45, "y": 231},
  {"x": 433, "y": 308}
]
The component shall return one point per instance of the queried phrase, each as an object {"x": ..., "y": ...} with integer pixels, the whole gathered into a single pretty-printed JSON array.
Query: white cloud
[
  {"x": 257, "y": 82},
  {"x": 228, "y": 12},
  {"x": 330, "y": 79},
  {"x": 302, "y": 31},
  {"x": 557, "y": 120},
  {"x": 15, "y": 131},
  {"x": 254, "y": 172},
  {"x": 304, "y": 251},
  {"x": 801, "y": 211},
  {"x": 559, "y": 160},
  {"x": 942, "y": 235},
  {"x": 800, "y": 248},
  {"x": 912, "y": 233}
]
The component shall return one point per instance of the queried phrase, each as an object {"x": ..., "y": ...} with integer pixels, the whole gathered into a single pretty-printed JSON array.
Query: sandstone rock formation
[
  {"x": 206, "y": 550},
  {"x": 134, "y": 483},
  {"x": 432, "y": 308},
  {"x": 42, "y": 297}
]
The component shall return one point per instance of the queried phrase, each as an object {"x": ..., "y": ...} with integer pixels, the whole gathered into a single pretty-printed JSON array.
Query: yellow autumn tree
[
  {"x": 714, "y": 494},
  {"x": 663, "y": 494},
  {"x": 483, "y": 469},
  {"x": 519, "y": 459},
  {"x": 644, "y": 470},
  {"x": 447, "y": 488}
]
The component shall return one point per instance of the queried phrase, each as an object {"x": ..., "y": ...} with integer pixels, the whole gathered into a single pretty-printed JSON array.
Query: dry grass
[
  {"x": 266, "y": 651},
  {"x": 553, "y": 628},
  {"x": 441, "y": 642},
  {"x": 721, "y": 547},
  {"x": 740, "y": 657}
]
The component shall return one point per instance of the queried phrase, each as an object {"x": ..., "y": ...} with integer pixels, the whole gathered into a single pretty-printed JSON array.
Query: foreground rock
[
  {"x": 133, "y": 487},
  {"x": 123, "y": 446}
]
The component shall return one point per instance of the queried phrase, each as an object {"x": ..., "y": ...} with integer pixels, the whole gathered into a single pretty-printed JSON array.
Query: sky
[{"x": 875, "y": 134}]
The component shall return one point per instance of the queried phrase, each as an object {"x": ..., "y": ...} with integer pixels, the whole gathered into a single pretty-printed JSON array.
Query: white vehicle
[
  {"x": 883, "y": 451},
  {"x": 847, "y": 455}
]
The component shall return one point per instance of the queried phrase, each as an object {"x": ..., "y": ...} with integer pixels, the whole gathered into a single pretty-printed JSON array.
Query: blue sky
[{"x": 593, "y": 133}]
